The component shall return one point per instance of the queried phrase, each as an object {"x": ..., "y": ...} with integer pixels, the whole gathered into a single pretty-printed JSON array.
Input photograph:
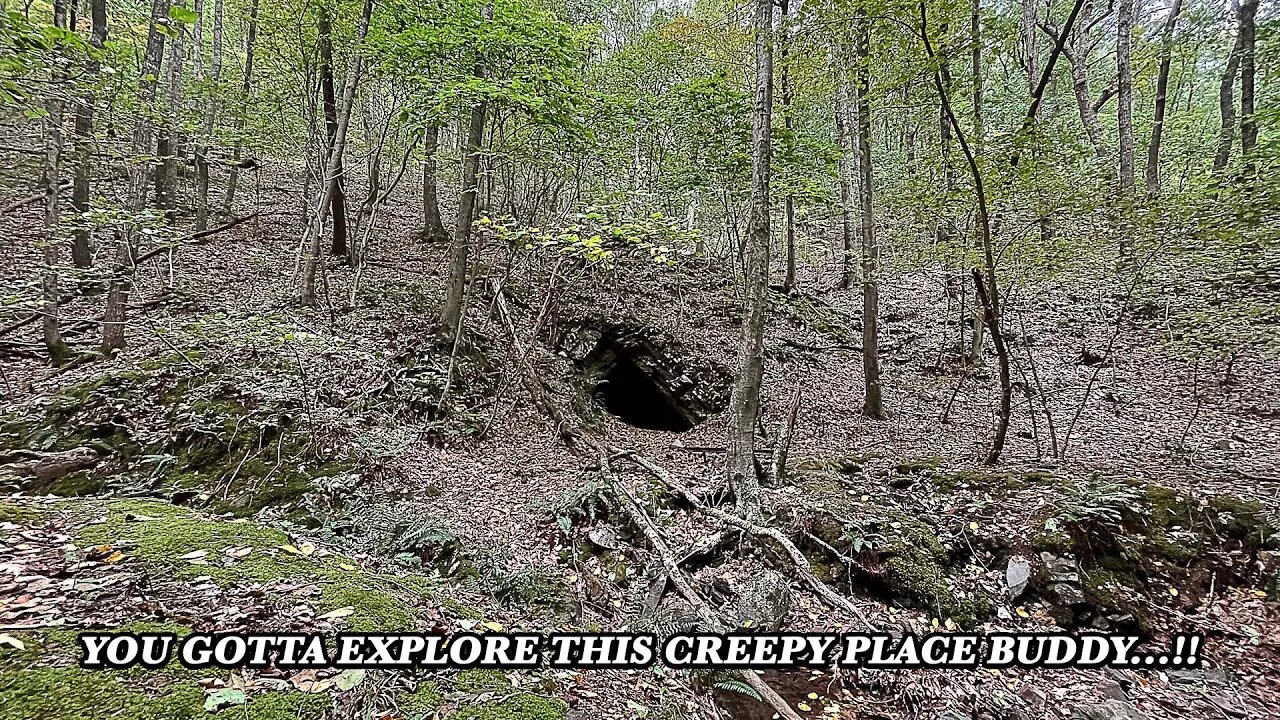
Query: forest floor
[{"x": 387, "y": 478}]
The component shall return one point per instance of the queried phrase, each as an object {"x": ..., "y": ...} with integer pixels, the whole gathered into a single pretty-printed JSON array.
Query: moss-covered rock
[
  {"x": 157, "y": 534},
  {"x": 478, "y": 680}
]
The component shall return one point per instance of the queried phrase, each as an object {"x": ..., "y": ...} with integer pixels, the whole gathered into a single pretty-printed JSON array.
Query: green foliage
[{"x": 597, "y": 235}]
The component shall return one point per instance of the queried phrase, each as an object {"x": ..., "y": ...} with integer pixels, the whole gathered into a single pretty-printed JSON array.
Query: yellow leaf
[
  {"x": 804, "y": 706},
  {"x": 1022, "y": 613},
  {"x": 813, "y": 696},
  {"x": 1173, "y": 592},
  {"x": 973, "y": 526},
  {"x": 339, "y": 613},
  {"x": 496, "y": 627},
  {"x": 114, "y": 557},
  {"x": 348, "y": 567},
  {"x": 290, "y": 549},
  {"x": 12, "y": 642},
  {"x": 306, "y": 548}
]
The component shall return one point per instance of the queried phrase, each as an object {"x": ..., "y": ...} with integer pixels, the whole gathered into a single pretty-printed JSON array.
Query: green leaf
[
  {"x": 226, "y": 697},
  {"x": 348, "y": 679},
  {"x": 183, "y": 15}
]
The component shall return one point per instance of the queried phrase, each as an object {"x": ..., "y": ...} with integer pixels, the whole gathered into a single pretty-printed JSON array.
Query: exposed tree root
[
  {"x": 676, "y": 576},
  {"x": 798, "y": 560}
]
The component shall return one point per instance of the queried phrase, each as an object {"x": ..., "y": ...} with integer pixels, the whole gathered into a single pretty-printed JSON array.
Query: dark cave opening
[{"x": 629, "y": 393}]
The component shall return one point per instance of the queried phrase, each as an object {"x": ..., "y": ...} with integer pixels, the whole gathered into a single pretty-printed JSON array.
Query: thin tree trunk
[
  {"x": 744, "y": 401},
  {"x": 1248, "y": 123},
  {"x": 988, "y": 291},
  {"x": 975, "y": 39},
  {"x": 433, "y": 226},
  {"x": 1124, "y": 95},
  {"x": 113, "y": 317},
  {"x": 1079, "y": 59},
  {"x": 50, "y": 179},
  {"x": 312, "y": 236},
  {"x": 1027, "y": 34},
  {"x": 81, "y": 252},
  {"x": 1226, "y": 100},
  {"x": 873, "y": 403},
  {"x": 848, "y": 170},
  {"x": 338, "y": 204},
  {"x": 1162, "y": 94},
  {"x": 460, "y": 247},
  {"x": 788, "y": 203},
  {"x": 206, "y": 130},
  {"x": 251, "y": 40},
  {"x": 169, "y": 141}
]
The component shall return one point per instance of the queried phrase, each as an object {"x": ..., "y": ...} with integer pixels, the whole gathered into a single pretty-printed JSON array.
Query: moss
[
  {"x": 917, "y": 570},
  {"x": 176, "y": 531},
  {"x": 19, "y": 514},
  {"x": 520, "y": 707},
  {"x": 915, "y": 466},
  {"x": 71, "y": 693},
  {"x": 1056, "y": 542},
  {"x": 1117, "y": 590},
  {"x": 476, "y": 681},
  {"x": 457, "y": 609},
  {"x": 847, "y": 464},
  {"x": 422, "y": 702}
]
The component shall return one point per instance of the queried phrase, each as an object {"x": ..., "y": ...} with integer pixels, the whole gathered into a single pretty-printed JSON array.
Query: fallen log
[{"x": 36, "y": 470}]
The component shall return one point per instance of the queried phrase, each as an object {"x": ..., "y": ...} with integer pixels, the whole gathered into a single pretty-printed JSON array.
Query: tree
[
  {"x": 873, "y": 404},
  {"x": 338, "y": 200},
  {"x": 210, "y": 114},
  {"x": 50, "y": 181},
  {"x": 113, "y": 317},
  {"x": 433, "y": 226},
  {"x": 1248, "y": 121},
  {"x": 314, "y": 233},
  {"x": 250, "y": 44},
  {"x": 788, "y": 200},
  {"x": 1162, "y": 93},
  {"x": 81, "y": 252},
  {"x": 1124, "y": 94},
  {"x": 744, "y": 399},
  {"x": 460, "y": 246}
]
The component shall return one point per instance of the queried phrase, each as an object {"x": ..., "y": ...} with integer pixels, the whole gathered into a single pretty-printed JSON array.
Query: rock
[
  {"x": 1109, "y": 710},
  {"x": 1112, "y": 689},
  {"x": 1216, "y": 677},
  {"x": 1068, "y": 594},
  {"x": 760, "y": 599},
  {"x": 1060, "y": 570},
  {"x": 1017, "y": 575}
]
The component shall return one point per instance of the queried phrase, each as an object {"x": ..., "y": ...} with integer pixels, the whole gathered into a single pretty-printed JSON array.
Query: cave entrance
[{"x": 636, "y": 398}]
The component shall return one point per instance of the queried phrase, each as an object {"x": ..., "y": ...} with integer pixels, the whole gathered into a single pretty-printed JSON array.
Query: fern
[{"x": 724, "y": 681}]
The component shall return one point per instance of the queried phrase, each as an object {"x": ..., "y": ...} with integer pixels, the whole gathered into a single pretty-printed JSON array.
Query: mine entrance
[{"x": 636, "y": 398}]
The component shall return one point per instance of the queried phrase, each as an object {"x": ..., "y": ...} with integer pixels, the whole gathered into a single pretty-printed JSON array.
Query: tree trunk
[
  {"x": 1162, "y": 94},
  {"x": 744, "y": 401},
  {"x": 975, "y": 38},
  {"x": 81, "y": 252},
  {"x": 1226, "y": 99},
  {"x": 460, "y": 247},
  {"x": 988, "y": 290},
  {"x": 433, "y": 226},
  {"x": 338, "y": 204},
  {"x": 1079, "y": 59},
  {"x": 312, "y": 236},
  {"x": 873, "y": 404},
  {"x": 50, "y": 179},
  {"x": 1124, "y": 94},
  {"x": 206, "y": 131},
  {"x": 788, "y": 203},
  {"x": 113, "y": 317},
  {"x": 168, "y": 142},
  {"x": 1027, "y": 34},
  {"x": 1248, "y": 123},
  {"x": 847, "y": 168},
  {"x": 250, "y": 41}
]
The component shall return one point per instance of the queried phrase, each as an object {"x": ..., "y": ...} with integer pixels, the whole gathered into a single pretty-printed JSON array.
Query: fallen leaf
[
  {"x": 496, "y": 627},
  {"x": 804, "y": 706},
  {"x": 114, "y": 558},
  {"x": 348, "y": 567},
  {"x": 348, "y": 679},
  {"x": 226, "y": 697},
  {"x": 339, "y": 613},
  {"x": 12, "y": 642},
  {"x": 196, "y": 555}
]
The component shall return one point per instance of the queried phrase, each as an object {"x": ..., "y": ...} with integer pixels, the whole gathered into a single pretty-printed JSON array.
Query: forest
[{"x": 640, "y": 316}]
